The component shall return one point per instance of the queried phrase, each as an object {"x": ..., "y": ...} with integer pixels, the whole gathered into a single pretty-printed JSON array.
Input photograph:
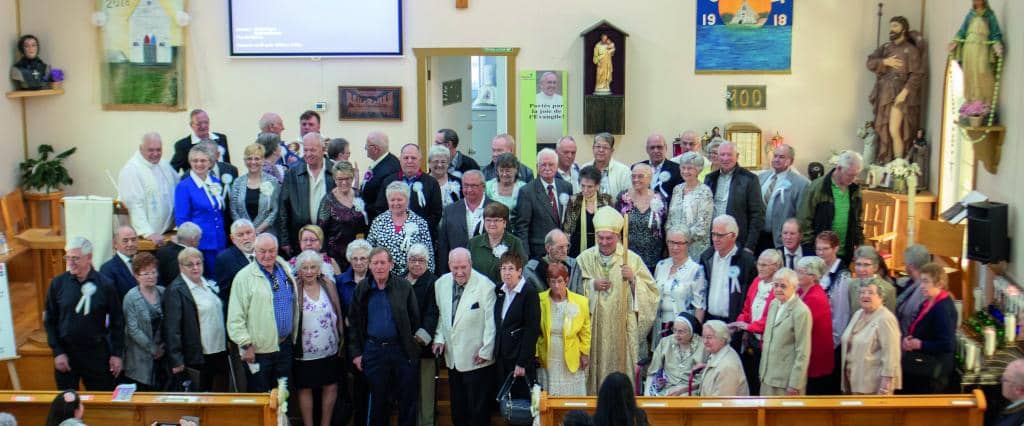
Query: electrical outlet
[{"x": 320, "y": 106}]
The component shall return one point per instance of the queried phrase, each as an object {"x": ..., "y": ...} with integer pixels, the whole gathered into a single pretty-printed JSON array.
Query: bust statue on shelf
[
  {"x": 30, "y": 72},
  {"x": 603, "y": 52}
]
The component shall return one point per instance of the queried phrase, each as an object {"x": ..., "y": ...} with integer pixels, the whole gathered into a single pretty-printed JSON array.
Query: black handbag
[
  {"x": 514, "y": 411},
  {"x": 920, "y": 364}
]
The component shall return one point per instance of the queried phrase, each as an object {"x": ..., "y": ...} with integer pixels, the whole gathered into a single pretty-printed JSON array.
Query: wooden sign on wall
[{"x": 746, "y": 97}]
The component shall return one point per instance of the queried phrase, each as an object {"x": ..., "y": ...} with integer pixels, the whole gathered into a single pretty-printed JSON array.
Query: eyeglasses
[
  {"x": 72, "y": 259},
  {"x": 720, "y": 235},
  {"x": 779, "y": 285},
  {"x": 678, "y": 243},
  {"x": 191, "y": 265},
  {"x": 148, "y": 274},
  {"x": 417, "y": 260}
]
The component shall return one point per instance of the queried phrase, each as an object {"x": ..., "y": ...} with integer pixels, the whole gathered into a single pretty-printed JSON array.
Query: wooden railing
[
  {"x": 852, "y": 410},
  {"x": 31, "y": 408}
]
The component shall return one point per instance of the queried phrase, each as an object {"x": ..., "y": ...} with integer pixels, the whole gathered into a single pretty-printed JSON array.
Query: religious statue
[
  {"x": 867, "y": 134},
  {"x": 920, "y": 154},
  {"x": 901, "y": 67},
  {"x": 603, "y": 52},
  {"x": 978, "y": 47},
  {"x": 30, "y": 72}
]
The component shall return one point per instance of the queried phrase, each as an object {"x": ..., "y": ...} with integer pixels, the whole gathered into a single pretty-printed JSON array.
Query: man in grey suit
[
  {"x": 463, "y": 219},
  {"x": 541, "y": 204},
  {"x": 305, "y": 184},
  {"x": 781, "y": 187}
]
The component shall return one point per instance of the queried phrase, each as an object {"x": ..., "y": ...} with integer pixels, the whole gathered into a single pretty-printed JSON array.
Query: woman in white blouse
[
  {"x": 681, "y": 284},
  {"x": 194, "y": 322},
  {"x": 316, "y": 352}
]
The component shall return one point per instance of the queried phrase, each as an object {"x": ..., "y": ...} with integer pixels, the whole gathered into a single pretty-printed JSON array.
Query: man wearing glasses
[
  {"x": 263, "y": 316},
  {"x": 79, "y": 304},
  {"x": 615, "y": 176},
  {"x": 729, "y": 270}
]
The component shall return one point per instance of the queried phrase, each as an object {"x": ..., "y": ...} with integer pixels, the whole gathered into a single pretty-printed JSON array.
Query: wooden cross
[{"x": 461, "y": 4}]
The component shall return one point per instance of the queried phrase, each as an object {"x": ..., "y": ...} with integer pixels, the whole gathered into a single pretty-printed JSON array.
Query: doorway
[{"x": 469, "y": 90}]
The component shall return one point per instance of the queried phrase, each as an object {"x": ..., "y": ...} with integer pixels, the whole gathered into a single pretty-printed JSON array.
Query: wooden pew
[
  {"x": 31, "y": 408},
  {"x": 853, "y": 410}
]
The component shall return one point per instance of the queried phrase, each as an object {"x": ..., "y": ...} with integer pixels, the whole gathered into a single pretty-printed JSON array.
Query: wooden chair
[
  {"x": 13, "y": 207},
  {"x": 945, "y": 242},
  {"x": 880, "y": 224}
]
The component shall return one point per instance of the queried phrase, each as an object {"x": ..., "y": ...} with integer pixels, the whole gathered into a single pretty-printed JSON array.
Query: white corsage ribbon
[
  {"x": 418, "y": 188},
  {"x": 85, "y": 302},
  {"x": 409, "y": 230},
  {"x": 360, "y": 206},
  {"x": 734, "y": 279}
]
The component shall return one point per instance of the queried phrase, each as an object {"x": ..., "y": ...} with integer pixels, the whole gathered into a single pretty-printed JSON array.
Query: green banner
[{"x": 543, "y": 111}]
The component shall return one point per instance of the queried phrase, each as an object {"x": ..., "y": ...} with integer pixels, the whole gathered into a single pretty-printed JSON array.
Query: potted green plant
[{"x": 44, "y": 174}]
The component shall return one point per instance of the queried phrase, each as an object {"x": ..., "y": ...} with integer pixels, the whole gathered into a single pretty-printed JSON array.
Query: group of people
[{"x": 356, "y": 287}]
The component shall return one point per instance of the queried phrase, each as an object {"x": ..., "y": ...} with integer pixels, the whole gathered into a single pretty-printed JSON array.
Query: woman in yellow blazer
[
  {"x": 871, "y": 347},
  {"x": 563, "y": 346}
]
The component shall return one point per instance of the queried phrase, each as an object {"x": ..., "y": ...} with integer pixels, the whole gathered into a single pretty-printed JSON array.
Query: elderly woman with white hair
[
  {"x": 866, "y": 266},
  {"x": 681, "y": 283},
  {"x": 358, "y": 255},
  {"x": 809, "y": 270},
  {"x": 320, "y": 338},
  {"x": 871, "y": 347},
  {"x": 787, "y": 340},
  {"x": 908, "y": 304},
  {"x": 723, "y": 373},
  {"x": 671, "y": 370},
  {"x": 692, "y": 205},
  {"x": 645, "y": 210},
  {"x": 199, "y": 199},
  {"x": 754, "y": 315},
  {"x": 398, "y": 228},
  {"x": 450, "y": 181}
]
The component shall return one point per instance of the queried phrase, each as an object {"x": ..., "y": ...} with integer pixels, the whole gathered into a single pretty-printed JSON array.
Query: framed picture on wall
[
  {"x": 369, "y": 103},
  {"x": 744, "y": 36}
]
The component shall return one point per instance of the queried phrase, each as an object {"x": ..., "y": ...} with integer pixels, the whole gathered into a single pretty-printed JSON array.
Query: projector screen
[{"x": 315, "y": 27}]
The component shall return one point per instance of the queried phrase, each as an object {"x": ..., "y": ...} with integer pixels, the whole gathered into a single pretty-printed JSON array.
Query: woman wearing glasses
[
  {"x": 194, "y": 315},
  {"x": 681, "y": 283},
  {"x": 143, "y": 320}
]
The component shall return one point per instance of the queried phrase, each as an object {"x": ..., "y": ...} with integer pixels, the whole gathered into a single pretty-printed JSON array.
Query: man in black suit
[
  {"x": 167, "y": 256},
  {"x": 456, "y": 228},
  {"x": 305, "y": 184},
  {"x": 384, "y": 164},
  {"x": 737, "y": 194},
  {"x": 235, "y": 257},
  {"x": 118, "y": 270},
  {"x": 460, "y": 164},
  {"x": 499, "y": 145},
  {"x": 200, "y": 122},
  {"x": 729, "y": 271},
  {"x": 516, "y": 325},
  {"x": 664, "y": 172},
  {"x": 425, "y": 192},
  {"x": 791, "y": 249},
  {"x": 541, "y": 204}
]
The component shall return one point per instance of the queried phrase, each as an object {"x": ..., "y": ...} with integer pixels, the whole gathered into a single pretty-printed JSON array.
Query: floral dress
[
  {"x": 693, "y": 211},
  {"x": 682, "y": 291},
  {"x": 341, "y": 224},
  {"x": 319, "y": 327},
  {"x": 646, "y": 233},
  {"x": 384, "y": 233}
]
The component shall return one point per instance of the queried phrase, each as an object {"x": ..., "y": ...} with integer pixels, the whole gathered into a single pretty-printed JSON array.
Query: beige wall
[
  {"x": 456, "y": 116},
  {"x": 817, "y": 107},
  {"x": 11, "y": 152},
  {"x": 943, "y": 20}
]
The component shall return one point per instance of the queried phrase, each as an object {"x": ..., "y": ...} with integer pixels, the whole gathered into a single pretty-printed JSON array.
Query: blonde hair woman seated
[
  {"x": 671, "y": 370},
  {"x": 563, "y": 346},
  {"x": 723, "y": 374},
  {"x": 871, "y": 347}
]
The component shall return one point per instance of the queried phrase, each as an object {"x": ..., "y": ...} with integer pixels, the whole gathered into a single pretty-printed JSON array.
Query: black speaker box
[{"x": 987, "y": 237}]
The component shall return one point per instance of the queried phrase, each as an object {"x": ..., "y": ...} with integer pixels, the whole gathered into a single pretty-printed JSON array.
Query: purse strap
[{"x": 506, "y": 389}]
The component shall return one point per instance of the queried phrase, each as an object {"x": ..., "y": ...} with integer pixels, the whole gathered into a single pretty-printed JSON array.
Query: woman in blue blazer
[
  {"x": 199, "y": 198},
  {"x": 930, "y": 342}
]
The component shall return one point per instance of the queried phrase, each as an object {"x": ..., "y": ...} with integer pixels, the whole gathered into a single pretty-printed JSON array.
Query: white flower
[
  {"x": 662, "y": 177},
  {"x": 214, "y": 188},
  {"x": 182, "y": 18},
  {"x": 358, "y": 204},
  {"x": 266, "y": 188},
  {"x": 417, "y": 186},
  {"x": 734, "y": 272},
  {"x": 99, "y": 19},
  {"x": 455, "y": 187},
  {"x": 226, "y": 178},
  {"x": 572, "y": 310},
  {"x": 563, "y": 199},
  {"x": 499, "y": 250},
  {"x": 656, "y": 204},
  {"x": 411, "y": 229}
]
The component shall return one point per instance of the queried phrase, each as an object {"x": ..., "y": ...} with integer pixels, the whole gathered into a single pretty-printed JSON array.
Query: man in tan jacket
[{"x": 787, "y": 340}]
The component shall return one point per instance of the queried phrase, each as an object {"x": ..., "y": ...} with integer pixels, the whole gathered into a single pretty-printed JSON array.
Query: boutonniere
[
  {"x": 499, "y": 250},
  {"x": 656, "y": 204},
  {"x": 563, "y": 199},
  {"x": 784, "y": 184},
  {"x": 627, "y": 203},
  {"x": 368, "y": 175},
  {"x": 455, "y": 187},
  {"x": 212, "y": 285},
  {"x": 656, "y": 207},
  {"x": 734, "y": 279},
  {"x": 417, "y": 187},
  {"x": 572, "y": 311},
  {"x": 662, "y": 177},
  {"x": 214, "y": 188},
  {"x": 360, "y": 206},
  {"x": 227, "y": 179},
  {"x": 411, "y": 229},
  {"x": 266, "y": 188}
]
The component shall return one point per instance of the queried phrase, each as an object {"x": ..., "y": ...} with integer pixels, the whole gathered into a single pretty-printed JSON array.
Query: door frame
[{"x": 423, "y": 55}]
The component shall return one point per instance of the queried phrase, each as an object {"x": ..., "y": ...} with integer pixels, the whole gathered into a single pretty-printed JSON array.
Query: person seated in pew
[
  {"x": 118, "y": 270},
  {"x": 143, "y": 319},
  {"x": 188, "y": 235},
  {"x": 66, "y": 410},
  {"x": 723, "y": 373},
  {"x": 671, "y": 370},
  {"x": 84, "y": 324},
  {"x": 146, "y": 187}
]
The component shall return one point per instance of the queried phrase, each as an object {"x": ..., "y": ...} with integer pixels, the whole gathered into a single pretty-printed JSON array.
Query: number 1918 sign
[{"x": 746, "y": 97}]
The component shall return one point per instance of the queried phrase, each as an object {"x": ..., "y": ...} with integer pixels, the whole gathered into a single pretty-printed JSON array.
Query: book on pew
[{"x": 124, "y": 392}]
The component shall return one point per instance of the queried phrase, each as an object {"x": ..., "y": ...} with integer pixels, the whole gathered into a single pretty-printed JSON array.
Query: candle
[
  {"x": 1011, "y": 328},
  {"x": 990, "y": 341},
  {"x": 970, "y": 356}
]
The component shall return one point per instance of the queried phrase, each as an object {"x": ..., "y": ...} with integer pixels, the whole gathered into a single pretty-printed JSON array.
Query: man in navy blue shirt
[{"x": 384, "y": 316}]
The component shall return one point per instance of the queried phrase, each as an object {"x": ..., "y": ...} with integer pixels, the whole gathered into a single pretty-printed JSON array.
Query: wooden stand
[
  {"x": 604, "y": 114},
  {"x": 34, "y": 201}
]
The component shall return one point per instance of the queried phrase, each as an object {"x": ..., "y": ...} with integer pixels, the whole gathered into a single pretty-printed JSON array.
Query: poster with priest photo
[{"x": 543, "y": 112}]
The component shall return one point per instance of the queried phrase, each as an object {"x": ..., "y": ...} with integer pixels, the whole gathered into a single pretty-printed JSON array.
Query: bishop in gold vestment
[{"x": 623, "y": 300}]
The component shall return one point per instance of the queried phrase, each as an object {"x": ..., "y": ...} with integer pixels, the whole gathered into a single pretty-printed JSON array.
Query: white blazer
[{"x": 471, "y": 331}]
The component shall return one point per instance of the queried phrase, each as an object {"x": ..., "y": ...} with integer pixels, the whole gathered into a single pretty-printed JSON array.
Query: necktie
[
  {"x": 553, "y": 200},
  {"x": 789, "y": 261},
  {"x": 771, "y": 188}
]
